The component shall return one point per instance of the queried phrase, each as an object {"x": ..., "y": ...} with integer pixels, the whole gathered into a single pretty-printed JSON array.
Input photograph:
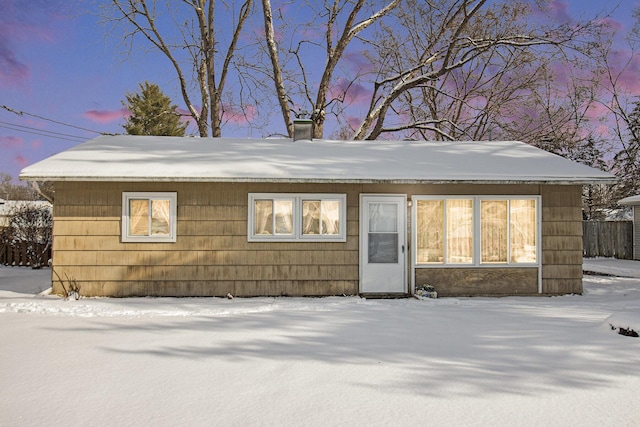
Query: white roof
[
  {"x": 631, "y": 200},
  {"x": 155, "y": 158}
]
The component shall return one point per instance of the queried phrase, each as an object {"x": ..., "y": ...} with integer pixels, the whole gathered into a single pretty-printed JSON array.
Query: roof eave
[{"x": 545, "y": 180}]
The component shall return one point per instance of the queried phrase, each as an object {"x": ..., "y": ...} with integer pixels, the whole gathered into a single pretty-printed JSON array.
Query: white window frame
[
  {"x": 297, "y": 200},
  {"x": 173, "y": 202},
  {"x": 477, "y": 233},
  {"x": 444, "y": 262},
  {"x": 478, "y": 221}
]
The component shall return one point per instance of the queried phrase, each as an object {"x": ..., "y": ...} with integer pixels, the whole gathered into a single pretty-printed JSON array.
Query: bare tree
[
  {"x": 446, "y": 65},
  {"x": 340, "y": 21},
  {"x": 10, "y": 191},
  {"x": 206, "y": 59},
  {"x": 431, "y": 69},
  {"x": 618, "y": 99},
  {"x": 555, "y": 115}
]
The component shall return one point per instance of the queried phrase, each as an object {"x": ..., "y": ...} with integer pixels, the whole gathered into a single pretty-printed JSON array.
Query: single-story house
[
  {"x": 181, "y": 216},
  {"x": 634, "y": 202}
]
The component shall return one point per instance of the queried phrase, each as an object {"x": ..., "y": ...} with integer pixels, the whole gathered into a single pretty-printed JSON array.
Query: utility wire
[
  {"x": 69, "y": 138},
  {"x": 23, "y": 113},
  {"x": 39, "y": 131}
]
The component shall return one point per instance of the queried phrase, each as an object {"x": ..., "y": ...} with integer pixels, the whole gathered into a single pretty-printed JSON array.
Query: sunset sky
[{"x": 59, "y": 67}]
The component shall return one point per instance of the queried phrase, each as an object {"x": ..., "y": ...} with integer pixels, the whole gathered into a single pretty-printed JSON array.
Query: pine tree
[{"x": 152, "y": 113}]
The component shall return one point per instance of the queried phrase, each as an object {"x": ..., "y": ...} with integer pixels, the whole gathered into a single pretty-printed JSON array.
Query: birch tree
[{"x": 198, "y": 55}]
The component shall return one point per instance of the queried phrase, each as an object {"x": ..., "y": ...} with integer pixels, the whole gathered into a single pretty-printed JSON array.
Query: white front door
[{"x": 383, "y": 245}]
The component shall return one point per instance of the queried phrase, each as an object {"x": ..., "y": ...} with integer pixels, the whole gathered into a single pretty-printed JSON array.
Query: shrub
[{"x": 32, "y": 224}]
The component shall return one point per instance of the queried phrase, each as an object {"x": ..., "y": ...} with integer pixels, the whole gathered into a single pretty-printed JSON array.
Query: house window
[
  {"x": 321, "y": 217},
  {"x": 296, "y": 217},
  {"x": 445, "y": 231},
  {"x": 476, "y": 230},
  {"x": 149, "y": 217},
  {"x": 508, "y": 231},
  {"x": 273, "y": 217}
]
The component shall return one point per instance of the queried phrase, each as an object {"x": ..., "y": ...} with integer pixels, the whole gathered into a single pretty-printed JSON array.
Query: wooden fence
[
  {"x": 612, "y": 239},
  {"x": 24, "y": 253}
]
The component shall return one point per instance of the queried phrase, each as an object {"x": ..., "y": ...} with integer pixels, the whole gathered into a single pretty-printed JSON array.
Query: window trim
[
  {"x": 149, "y": 195},
  {"x": 297, "y": 235},
  {"x": 477, "y": 232}
]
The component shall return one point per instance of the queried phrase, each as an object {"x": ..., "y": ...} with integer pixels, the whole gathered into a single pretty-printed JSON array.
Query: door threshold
[{"x": 392, "y": 295}]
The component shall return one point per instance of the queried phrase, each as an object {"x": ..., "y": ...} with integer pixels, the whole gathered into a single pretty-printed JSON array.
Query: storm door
[{"x": 383, "y": 244}]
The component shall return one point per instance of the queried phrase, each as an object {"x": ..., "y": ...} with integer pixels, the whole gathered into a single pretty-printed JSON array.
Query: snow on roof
[
  {"x": 631, "y": 200},
  {"x": 154, "y": 158}
]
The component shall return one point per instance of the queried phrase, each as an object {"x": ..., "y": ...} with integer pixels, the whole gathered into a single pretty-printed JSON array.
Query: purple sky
[{"x": 57, "y": 63}]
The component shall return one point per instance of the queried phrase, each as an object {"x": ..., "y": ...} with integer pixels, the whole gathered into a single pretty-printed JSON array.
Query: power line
[
  {"x": 44, "y": 133},
  {"x": 40, "y": 131},
  {"x": 23, "y": 113}
]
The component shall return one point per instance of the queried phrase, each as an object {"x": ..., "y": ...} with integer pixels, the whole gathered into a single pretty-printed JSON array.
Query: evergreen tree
[{"x": 152, "y": 113}]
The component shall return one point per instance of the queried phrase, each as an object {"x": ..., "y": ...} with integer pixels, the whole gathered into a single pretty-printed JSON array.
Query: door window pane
[
  {"x": 494, "y": 229},
  {"x": 383, "y": 248},
  {"x": 383, "y": 217},
  {"x": 383, "y": 233}
]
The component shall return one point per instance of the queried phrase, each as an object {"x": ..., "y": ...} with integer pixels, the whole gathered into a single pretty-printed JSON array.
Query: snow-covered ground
[
  {"x": 320, "y": 361},
  {"x": 612, "y": 267}
]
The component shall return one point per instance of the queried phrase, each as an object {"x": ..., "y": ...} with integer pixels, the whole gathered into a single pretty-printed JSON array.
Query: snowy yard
[{"x": 321, "y": 361}]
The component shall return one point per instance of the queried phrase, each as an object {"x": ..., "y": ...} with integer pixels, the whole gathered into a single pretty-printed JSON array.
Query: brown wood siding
[
  {"x": 561, "y": 239},
  {"x": 211, "y": 256},
  {"x": 561, "y": 231},
  {"x": 485, "y": 281},
  {"x": 479, "y": 281}
]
